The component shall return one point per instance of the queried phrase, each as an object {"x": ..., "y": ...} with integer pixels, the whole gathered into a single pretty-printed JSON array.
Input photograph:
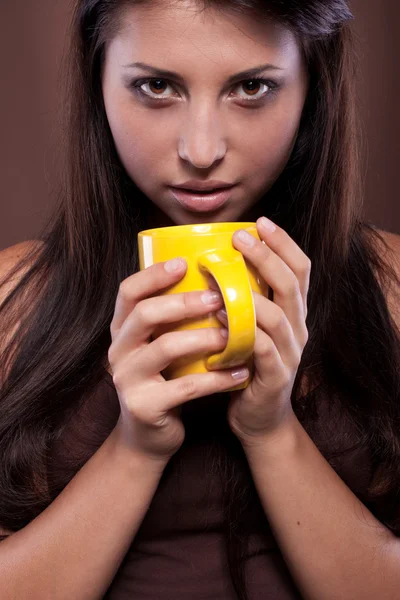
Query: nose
[{"x": 201, "y": 142}]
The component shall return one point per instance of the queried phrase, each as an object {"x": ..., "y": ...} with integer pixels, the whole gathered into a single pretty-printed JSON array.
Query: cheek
[
  {"x": 138, "y": 145},
  {"x": 271, "y": 146}
]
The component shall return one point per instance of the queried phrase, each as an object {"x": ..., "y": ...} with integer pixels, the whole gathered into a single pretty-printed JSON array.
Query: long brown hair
[{"x": 60, "y": 311}]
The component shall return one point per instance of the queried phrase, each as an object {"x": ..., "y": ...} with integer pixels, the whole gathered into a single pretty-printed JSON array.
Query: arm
[
  {"x": 333, "y": 546},
  {"x": 74, "y": 548}
]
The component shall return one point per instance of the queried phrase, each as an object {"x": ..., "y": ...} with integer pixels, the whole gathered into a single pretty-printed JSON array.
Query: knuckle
[
  {"x": 294, "y": 288},
  {"x": 187, "y": 387},
  {"x": 166, "y": 344},
  {"x": 287, "y": 378},
  {"x": 265, "y": 349},
  {"x": 118, "y": 379},
  {"x": 111, "y": 354},
  {"x": 306, "y": 266},
  {"x": 143, "y": 312},
  {"x": 305, "y": 337},
  {"x": 124, "y": 290},
  {"x": 113, "y": 330},
  {"x": 187, "y": 302},
  {"x": 297, "y": 358},
  {"x": 279, "y": 320}
]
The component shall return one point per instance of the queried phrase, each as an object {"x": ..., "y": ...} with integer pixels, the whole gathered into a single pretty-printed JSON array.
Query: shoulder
[
  {"x": 11, "y": 255},
  {"x": 389, "y": 246},
  {"x": 10, "y": 276},
  {"x": 9, "y": 258},
  {"x": 392, "y": 241}
]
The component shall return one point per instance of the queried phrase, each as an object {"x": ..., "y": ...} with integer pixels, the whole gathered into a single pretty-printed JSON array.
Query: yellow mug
[{"x": 208, "y": 250}]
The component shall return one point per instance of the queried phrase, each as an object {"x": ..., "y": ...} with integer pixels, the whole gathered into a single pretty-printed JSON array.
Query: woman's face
[{"x": 202, "y": 125}]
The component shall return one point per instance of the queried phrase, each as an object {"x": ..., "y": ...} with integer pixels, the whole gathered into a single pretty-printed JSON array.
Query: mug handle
[{"x": 230, "y": 273}]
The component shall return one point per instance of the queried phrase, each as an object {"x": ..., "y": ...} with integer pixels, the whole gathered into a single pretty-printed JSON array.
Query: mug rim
[{"x": 197, "y": 228}]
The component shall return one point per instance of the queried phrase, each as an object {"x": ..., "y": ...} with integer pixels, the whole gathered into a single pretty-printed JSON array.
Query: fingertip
[{"x": 175, "y": 265}]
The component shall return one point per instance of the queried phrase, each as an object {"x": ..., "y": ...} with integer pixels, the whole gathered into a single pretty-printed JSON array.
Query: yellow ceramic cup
[{"x": 208, "y": 250}]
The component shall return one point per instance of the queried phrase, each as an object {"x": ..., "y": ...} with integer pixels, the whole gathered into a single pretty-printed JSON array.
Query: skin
[{"x": 204, "y": 128}]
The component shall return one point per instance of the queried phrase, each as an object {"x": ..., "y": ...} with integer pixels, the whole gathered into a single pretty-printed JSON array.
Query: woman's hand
[
  {"x": 264, "y": 407},
  {"x": 150, "y": 423}
]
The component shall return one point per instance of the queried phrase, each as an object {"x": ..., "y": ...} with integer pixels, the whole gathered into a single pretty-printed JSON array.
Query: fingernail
[
  {"x": 267, "y": 224},
  {"x": 246, "y": 237},
  {"x": 224, "y": 332},
  {"x": 240, "y": 373},
  {"x": 210, "y": 297},
  {"x": 175, "y": 264}
]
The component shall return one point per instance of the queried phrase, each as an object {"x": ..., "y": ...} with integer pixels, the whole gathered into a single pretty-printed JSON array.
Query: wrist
[
  {"x": 283, "y": 442},
  {"x": 125, "y": 454}
]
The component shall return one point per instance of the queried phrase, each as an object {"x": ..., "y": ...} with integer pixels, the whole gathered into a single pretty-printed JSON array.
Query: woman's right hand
[{"x": 150, "y": 406}]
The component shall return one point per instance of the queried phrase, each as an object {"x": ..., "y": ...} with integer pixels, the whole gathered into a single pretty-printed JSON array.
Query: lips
[
  {"x": 202, "y": 192},
  {"x": 203, "y": 201}
]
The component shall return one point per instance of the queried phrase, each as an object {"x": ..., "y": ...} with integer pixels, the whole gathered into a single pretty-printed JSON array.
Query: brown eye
[
  {"x": 253, "y": 83},
  {"x": 254, "y": 86},
  {"x": 156, "y": 85}
]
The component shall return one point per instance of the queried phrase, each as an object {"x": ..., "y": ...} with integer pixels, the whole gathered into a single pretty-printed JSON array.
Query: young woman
[{"x": 116, "y": 483}]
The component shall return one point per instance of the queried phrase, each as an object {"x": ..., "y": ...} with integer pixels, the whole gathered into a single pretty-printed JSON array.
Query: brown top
[{"x": 179, "y": 550}]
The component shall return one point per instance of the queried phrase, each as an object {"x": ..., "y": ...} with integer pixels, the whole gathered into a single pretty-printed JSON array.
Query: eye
[{"x": 254, "y": 84}]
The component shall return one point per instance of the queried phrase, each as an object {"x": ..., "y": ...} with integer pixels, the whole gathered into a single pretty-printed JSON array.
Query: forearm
[
  {"x": 333, "y": 546},
  {"x": 74, "y": 547}
]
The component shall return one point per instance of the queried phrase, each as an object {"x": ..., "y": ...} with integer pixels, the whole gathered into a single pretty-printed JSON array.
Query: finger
[
  {"x": 212, "y": 283},
  {"x": 280, "y": 277},
  {"x": 273, "y": 321},
  {"x": 154, "y": 407},
  {"x": 286, "y": 248},
  {"x": 182, "y": 389},
  {"x": 152, "y": 312},
  {"x": 270, "y": 370},
  {"x": 157, "y": 356},
  {"x": 141, "y": 285}
]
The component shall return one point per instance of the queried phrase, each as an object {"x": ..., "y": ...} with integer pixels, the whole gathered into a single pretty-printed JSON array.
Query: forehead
[{"x": 174, "y": 33}]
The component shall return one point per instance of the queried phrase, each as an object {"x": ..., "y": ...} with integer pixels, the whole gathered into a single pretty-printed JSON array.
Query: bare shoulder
[
  {"x": 393, "y": 242},
  {"x": 390, "y": 248},
  {"x": 9, "y": 279},
  {"x": 9, "y": 257},
  {"x": 391, "y": 252}
]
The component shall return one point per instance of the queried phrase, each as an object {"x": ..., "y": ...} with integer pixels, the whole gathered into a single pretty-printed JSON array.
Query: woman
[{"x": 109, "y": 472}]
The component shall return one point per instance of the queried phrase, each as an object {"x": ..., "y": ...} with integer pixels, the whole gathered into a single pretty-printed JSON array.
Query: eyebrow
[{"x": 242, "y": 75}]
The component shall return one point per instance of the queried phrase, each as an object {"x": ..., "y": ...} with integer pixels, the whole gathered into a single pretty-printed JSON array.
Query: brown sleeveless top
[{"x": 179, "y": 550}]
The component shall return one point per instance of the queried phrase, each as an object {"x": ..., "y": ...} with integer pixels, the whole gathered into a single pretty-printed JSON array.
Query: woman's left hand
[{"x": 264, "y": 407}]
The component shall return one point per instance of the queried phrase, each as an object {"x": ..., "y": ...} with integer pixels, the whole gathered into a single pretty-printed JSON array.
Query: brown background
[{"x": 31, "y": 41}]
